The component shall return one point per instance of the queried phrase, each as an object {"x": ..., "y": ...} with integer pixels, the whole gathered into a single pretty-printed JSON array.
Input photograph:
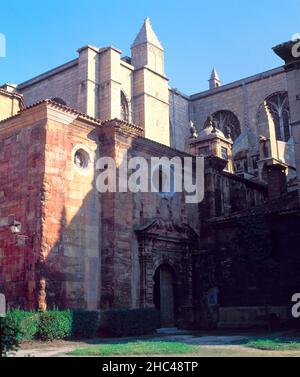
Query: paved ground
[{"x": 217, "y": 345}]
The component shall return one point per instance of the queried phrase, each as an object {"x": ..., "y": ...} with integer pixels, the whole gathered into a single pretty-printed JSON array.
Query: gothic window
[
  {"x": 228, "y": 123},
  {"x": 124, "y": 108},
  {"x": 278, "y": 105}
]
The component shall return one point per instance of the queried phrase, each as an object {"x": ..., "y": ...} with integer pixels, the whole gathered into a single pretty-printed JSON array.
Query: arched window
[
  {"x": 124, "y": 108},
  {"x": 278, "y": 105},
  {"x": 228, "y": 123}
]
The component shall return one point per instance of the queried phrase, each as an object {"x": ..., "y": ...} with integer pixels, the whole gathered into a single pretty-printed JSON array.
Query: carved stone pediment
[{"x": 167, "y": 230}]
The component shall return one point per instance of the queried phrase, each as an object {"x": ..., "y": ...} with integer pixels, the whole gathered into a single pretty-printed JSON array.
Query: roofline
[
  {"x": 47, "y": 74},
  {"x": 258, "y": 186},
  {"x": 153, "y": 143},
  {"x": 56, "y": 105},
  {"x": 241, "y": 82},
  {"x": 11, "y": 94},
  {"x": 177, "y": 92},
  {"x": 288, "y": 43},
  {"x": 80, "y": 115}
]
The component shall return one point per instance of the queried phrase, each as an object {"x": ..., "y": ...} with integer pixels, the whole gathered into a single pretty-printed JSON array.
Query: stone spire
[
  {"x": 151, "y": 87},
  {"x": 147, "y": 35},
  {"x": 214, "y": 81}
]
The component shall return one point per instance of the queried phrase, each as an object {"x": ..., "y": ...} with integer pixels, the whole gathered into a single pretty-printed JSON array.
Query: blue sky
[{"x": 236, "y": 36}]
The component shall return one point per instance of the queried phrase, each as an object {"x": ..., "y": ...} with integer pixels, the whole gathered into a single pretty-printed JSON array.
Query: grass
[
  {"x": 274, "y": 344},
  {"x": 136, "y": 349}
]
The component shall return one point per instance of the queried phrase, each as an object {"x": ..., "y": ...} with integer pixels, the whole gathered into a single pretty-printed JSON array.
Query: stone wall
[
  {"x": 225, "y": 193},
  {"x": 179, "y": 120},
  {"x": 243, "y": 98},
  {"x": 151, "y": 105},
  {"x": 60, "y": 83},
  {"x": 128, "y": 265},
  {"x": 22, "y": 165},
  {"x": 55, "y": 260},
  {"x": 71, "y": 226}
]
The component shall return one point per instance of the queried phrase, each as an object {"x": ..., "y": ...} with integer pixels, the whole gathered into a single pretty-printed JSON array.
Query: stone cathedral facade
[{"x": 63, "y": 244}]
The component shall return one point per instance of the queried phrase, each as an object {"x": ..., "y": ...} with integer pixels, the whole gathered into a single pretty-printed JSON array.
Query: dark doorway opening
[{"x": 164, "y": 295}]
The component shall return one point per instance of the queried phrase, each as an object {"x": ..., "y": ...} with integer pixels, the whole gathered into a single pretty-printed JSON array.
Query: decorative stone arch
[
  {"x": 163, "y": 242},
  {"x": 160, "y": 260},
  {"x": 275, "y": 107},
  {"x": 228, "y": 123},
  {"x": 124, "y": 110}
]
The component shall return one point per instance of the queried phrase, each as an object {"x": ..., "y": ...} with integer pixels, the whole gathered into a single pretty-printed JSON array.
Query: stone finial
[
  {"x": 214, "y": 81},
  {"x": 209, "y": 122},
  {"x": 228, "y": 132},
  {"x": 215, "y": 75},
  {"x": 214, "y": 126}
]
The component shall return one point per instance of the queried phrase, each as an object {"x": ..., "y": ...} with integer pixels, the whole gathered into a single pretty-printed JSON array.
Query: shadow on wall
[{"x": 69, "y": 269}]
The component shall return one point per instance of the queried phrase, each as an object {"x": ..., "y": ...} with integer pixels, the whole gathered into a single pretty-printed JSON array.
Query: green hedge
[
  {"x": 51, "y": 325},
  {"x": 85, "y": 324},
  {"x": 129, "y": 322},
  {"x": 11, "y": 333},
  {"x": 47, "y": 326},
  {"x": 26, "y": 322},
  {"x": 54, "y": 325}
]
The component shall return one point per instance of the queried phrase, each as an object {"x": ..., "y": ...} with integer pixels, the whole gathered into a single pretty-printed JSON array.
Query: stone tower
[
  {"x": 151, "y": 91},
  {"x": 214, "y": 81}
]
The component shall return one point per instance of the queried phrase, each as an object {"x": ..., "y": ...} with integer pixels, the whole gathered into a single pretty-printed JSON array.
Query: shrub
[
  {"x": 85, "y": 323},
  {"x": 128, "y": 322},
  {"x": 27, "y": 323},
  {"x": 54, "y": 325},
  {"x": 10, "y": 335},
  {"x": 48, "y": 326}
]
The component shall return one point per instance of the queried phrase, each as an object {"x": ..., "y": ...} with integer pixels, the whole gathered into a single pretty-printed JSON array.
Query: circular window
[{"x": 81, "y": 159}]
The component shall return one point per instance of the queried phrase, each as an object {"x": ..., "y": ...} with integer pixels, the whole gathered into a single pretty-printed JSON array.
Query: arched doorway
[{"x": 164, "y": 295}]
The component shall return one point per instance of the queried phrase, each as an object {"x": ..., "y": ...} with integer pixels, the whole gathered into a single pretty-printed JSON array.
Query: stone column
[
  {"x": 88, "y": 76},
  {"x": 110, "y": 84}
]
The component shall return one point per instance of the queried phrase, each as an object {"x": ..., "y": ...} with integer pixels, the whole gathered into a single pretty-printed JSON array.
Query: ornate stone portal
[{"x": 166, "y": 251}]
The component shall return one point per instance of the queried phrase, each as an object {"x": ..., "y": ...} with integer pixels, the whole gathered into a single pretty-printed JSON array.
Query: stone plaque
[{"x": 2, "y": 305}]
